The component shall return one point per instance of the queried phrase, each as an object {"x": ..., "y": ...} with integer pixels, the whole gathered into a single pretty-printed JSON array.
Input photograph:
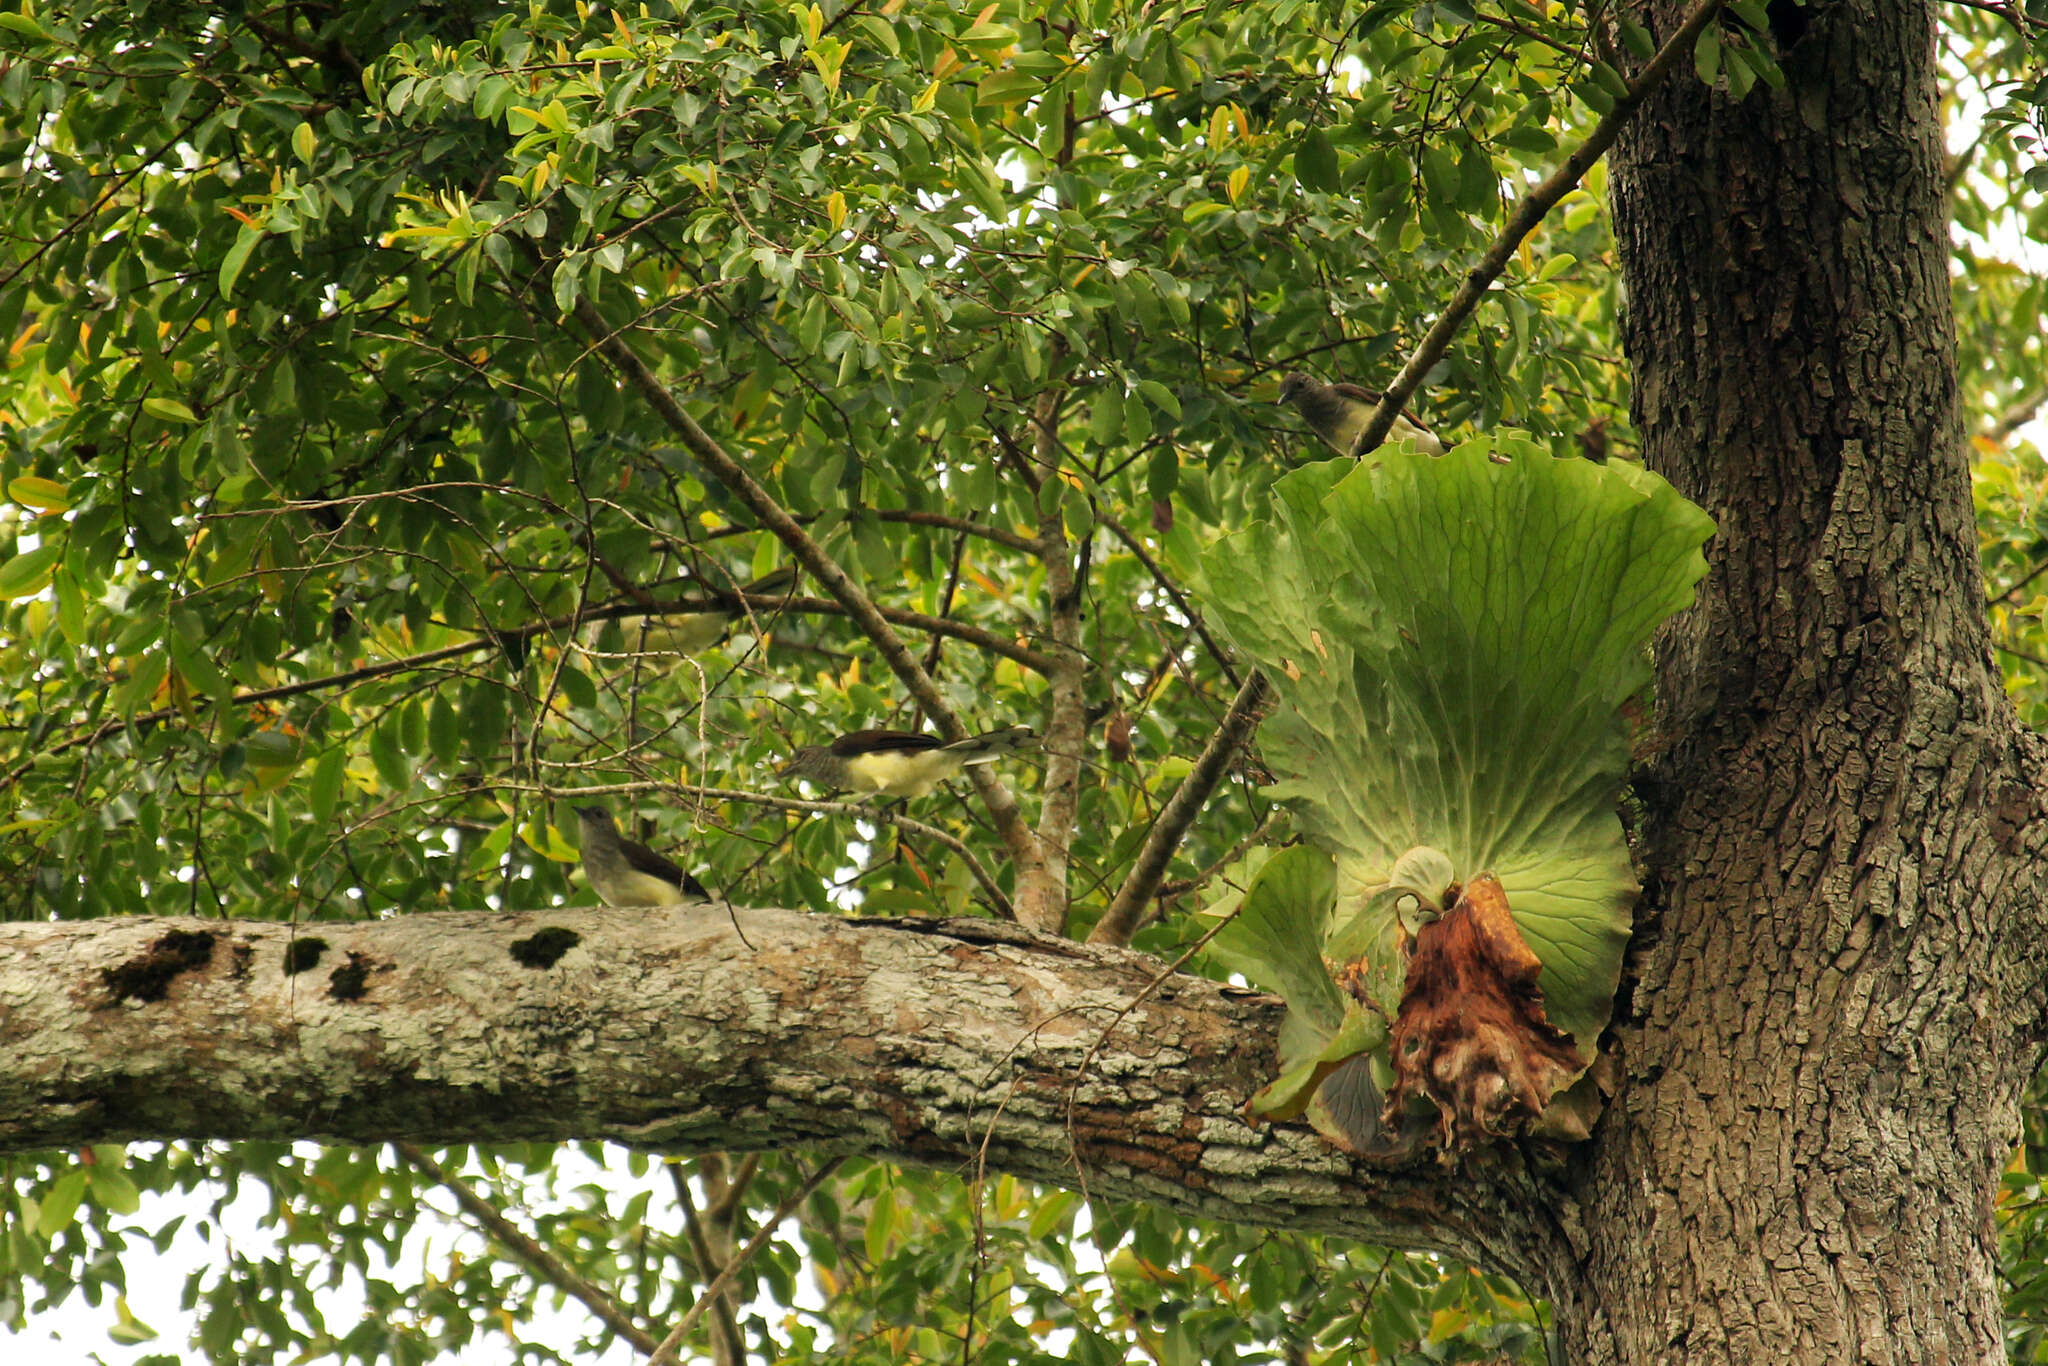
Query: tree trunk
[{"x": 1827, "y": 1027}]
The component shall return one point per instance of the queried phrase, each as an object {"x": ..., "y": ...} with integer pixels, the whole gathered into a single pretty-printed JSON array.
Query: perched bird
[
  {"x": 626, "y": 872},
  {"x": 692, "y": 633},
  {"x": 899, "y": 763},
  {"x": 1339, "y": 413}
]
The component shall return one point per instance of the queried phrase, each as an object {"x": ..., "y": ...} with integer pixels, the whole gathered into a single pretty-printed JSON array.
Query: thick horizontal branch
[{"x": 914, "y": 1041}]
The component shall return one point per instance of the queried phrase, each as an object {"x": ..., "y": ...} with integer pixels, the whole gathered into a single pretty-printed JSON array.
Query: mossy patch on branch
[
  {"x": 545, "y": 947},
  {"x": 345, "y": 983},
  {"x": 148, "y": 975},
  {"x": 302, "y": 955}
]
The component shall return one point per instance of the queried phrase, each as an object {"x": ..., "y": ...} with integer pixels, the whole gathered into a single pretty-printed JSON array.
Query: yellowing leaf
[
  {"x": 44, "y": 495},
  {"x": 1239, "y": 178},
  {"x": 835, "y": 210},
  {"x": 168, "y": 410},
  {"x": 28, "y": 573}
]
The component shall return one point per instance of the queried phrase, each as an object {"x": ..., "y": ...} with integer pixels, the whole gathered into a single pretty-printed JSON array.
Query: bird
[
  {"x": 692, "y": 633},
  {"x": 626, "y": 872},
  {"x": 899, "y": 763},
  {"x": 1339, "y": 412}
]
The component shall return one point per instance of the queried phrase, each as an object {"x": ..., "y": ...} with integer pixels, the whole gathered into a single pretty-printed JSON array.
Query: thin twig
[
  {"x": 2034, "y": 660},
  {"x": 2005, "y": 12},
  {"x": 1523, "y": 221},
  {"x": 2036, "y": 572},
  {"x": 1035, "y": 660},
  {"x": 1217, "y": 651},
  {"x": 1013, "y": 539},
  {"x": 665, "y": 1354},
  {"x": 538, "y": 1259},
  {"x": 1182, "y": 886},
  {"x": 1127, "y": 913}
]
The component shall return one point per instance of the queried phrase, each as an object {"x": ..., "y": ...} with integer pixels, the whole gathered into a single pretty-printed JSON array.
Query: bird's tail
[{"x": 985, "y": 749}]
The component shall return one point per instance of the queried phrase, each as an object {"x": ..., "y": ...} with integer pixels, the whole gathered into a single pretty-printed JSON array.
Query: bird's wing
[
  {"x": 645, "y": 860},
  {"x": 859, "y": 742},
  {"x": 1361, "y": 394}
]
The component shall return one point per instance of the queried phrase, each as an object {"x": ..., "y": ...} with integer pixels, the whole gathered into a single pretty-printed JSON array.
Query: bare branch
[
  {"x": 1043, "y": 897},
  {"x": 727, "y": 1346}
]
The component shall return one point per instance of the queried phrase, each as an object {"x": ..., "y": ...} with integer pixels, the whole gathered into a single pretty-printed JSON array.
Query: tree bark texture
[
  {"x": 945, "y": 1043},
  {"x": 1828, "y": 1022}
]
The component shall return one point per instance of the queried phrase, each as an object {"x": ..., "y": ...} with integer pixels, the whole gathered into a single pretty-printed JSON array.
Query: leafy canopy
[{"x": 310, "y": 481}]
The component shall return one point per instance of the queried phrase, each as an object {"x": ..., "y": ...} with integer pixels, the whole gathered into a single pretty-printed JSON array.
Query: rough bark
[
  {"x": 931, "y": 1042},
  {"x": 1826, "y": 1034}
]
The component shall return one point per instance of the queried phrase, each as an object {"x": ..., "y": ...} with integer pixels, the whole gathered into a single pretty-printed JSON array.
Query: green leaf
[
  {"x": 28, "y": 573},
  {"x": 1706, "y": 54},
  {"x": 1453, "y": 640},
  {"x": 238, "y": 257},
  {"x": 44, "y": 495},
  {"x": 57, "y": 1207},
  {"x": 1162, "y": 473},
  {"x": 22, "y": 24},
  {"x": 577, "y": 687},
  {"x": 387, "y": 752},
  {"x": 325, "y": 791},
  {"x": 1160, "y": 397},
  {"x": 1106, "y": 415},
  {"x": 444, "y": 730},
  {"x": 271, "y": 749},
  {"x": 112, "y": 1190},
  {"x": 1315, "y": 163},
  {"x": 1276, "y": 939},
  {"x": 168, "y": 410}
]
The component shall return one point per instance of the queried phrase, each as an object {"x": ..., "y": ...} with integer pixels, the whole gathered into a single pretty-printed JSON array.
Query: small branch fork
[
  {"x": 665, "y": 1354},
  {"x": 536, "y": 1258}
]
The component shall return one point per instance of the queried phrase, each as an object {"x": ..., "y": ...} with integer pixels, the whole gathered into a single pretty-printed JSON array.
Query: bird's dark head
[
  {"x": 593, "y": 817},
  {"x": 804, "y": 763},
  {"x": 1292, "y": 386}
]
